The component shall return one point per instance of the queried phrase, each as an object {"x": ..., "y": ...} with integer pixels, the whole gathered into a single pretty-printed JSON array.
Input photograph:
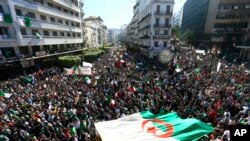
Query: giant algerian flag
[{"x": 146, "y": 126}]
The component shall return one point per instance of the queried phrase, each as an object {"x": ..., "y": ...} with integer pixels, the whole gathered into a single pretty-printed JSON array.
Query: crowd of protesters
[{"x": 56, "y": 107}]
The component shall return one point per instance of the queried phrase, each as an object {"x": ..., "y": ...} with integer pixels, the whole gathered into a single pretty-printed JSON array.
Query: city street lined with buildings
[{"x": 69, "y": 74}]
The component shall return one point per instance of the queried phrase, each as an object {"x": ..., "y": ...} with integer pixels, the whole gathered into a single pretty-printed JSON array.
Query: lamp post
[{"x": 213, "y": 52}]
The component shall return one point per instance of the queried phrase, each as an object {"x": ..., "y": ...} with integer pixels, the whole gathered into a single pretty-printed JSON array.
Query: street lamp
[{"x": 213, "y": 52}]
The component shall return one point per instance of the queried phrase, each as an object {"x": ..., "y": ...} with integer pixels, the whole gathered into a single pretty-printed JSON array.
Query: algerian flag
[
  {"x": 146, "y": 126},
  {"x": 38, "y": 36},
  {"x": 177, "y": 68},
  {"x": 27, "y": 21},
  {"x": 197, "y": 70},
  {"x": 73, "y": 131},
  {"x": 5, "y": 95}
]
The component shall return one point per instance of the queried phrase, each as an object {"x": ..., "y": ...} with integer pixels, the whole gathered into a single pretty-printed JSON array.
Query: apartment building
[
  {"x": 177, "y": 18},
  {"x": 150, "y": 28},
  {"x": 34, "y": 29},
  {"x": 96, "y": 32},
  {"x": 217, "y": 23}
]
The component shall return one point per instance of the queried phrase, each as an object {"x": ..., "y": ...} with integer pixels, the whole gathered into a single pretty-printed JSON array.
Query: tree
[
  {"x": 188, "y": 35},
  {"x": 176, "y": 31},
  {"x": 69, "y": 61}
]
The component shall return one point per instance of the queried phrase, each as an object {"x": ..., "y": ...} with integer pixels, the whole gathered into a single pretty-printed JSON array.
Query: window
[
  {"x": 68, "y": 46},
  {"x": 71, "y": 12},
  {"x": 58, "y": 8},
  {"x": 79, "y": 34},
  {"x": 157, "y": 32},
  {"x": 77, "y": 14},
  {"x": 165, "y": 32},
  {"x": 60, "y": 21},
  {"x": 52, "y": 19},
  {"x": 62, "y": 34},
  {"x": 23, "y": 31},
  {"x": 47, "y": 48},
  {"x": 40, "y": 1},
  {"x": 77, "y": 24},
  {"x": 158, "y": 8},
  {"x": 166, "y": 21},
  {"x": 157, "y": 21},
  {"x": 168, "y": 9},
  {"x": 54, "y": 33},
  {"x": 4, "y": 31},
  {"x": 18, "y": 12},
  {"x": 61, "y": 48},
  {"x": 24, "y": 50},
  {"x": 32, "y": 15},
  {"x": 1, "y": 9},
  {"x": 65, "y": 10},
  {"x": 165, "y": 43},
  {"x": 35, "y": 49},
  {"x": 50, "y": 5},
  {"x": 67, "y": 22},
  {"x": 68, "y": 34},
  {"x": 156, "y": 44},
  {"x": 34, "y": 32},
  {"x": 73, "y": 34},
  {"x": 72, "y": 23},
  {"x": 54, "y": 49},
  {"x": 46, "y": 33},
  {"x": 43, "y": 18},
  {"x": 8, "y": 52}
]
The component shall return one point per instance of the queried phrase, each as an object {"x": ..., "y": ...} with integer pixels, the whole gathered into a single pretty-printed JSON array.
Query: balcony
[
  {"x": 68, "y": 3},
  {"x": 161, "y": 37},
  {"x": 162, "y": 25},
  {"x": 163, "y": 13},
  {"x": 49, "y": 40},
  {"x": 144, "y": 46},
  {"x": 145, "y": 37},
  {"x": 54, "y": 26},
  {"x": 145, "y": 27},
  {"x": 148, "y": 15},
  {"x": 28, "y": 4},
  {"x": 8, "y": 40}
]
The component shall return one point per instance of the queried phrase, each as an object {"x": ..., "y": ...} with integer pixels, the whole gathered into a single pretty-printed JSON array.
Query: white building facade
[
  {"x": 96, "y": 32},
  {"x": 31, "y": 29},
  {"x": 150, "y": 28}
]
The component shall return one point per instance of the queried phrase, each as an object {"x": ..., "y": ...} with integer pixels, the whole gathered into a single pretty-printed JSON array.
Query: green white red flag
[{"x": 146, "y": 126}]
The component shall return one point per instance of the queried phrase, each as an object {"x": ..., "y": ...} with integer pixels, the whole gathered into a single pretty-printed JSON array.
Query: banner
[
  {"x": 146, "y": 126},
  {"x": 85, "y": 70},
  {"x": 70, "y": 71},
  {"x": 86, "y": 64},
  {"x": 201, "y": 52}
]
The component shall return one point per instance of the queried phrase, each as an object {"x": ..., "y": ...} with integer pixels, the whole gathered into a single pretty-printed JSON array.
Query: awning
[{"x": 243, "y": 47}]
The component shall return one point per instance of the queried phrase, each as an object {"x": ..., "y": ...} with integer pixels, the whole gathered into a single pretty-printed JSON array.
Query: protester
[{"x": 54, "y": 107}]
